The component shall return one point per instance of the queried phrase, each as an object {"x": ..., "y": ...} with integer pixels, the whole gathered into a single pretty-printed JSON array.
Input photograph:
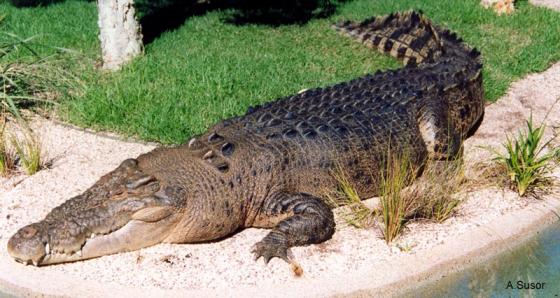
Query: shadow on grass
[
  {"x": 159, "y": 16},
  {"x": 34, "y": 3},
  {"x": 278, "y": 13}
]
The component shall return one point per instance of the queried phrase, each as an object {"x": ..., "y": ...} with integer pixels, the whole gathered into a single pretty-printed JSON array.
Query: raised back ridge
[{"x": 408, "y": 36}]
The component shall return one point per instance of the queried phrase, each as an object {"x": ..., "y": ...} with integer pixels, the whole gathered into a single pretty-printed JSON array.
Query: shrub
[{"x": 525, "y": 162}]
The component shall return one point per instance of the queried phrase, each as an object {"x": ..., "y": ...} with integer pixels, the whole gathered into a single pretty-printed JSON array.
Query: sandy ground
[
  {"x": 354, "y": 261},
  {"x": 552, "y": 4}
]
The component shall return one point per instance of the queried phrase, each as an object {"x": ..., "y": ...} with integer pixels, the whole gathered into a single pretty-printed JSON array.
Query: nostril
[{"x": 29, "y": 232}]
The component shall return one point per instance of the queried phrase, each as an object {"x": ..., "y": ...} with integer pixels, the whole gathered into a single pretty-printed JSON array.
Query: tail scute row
[{"x": 407, "y": 36}]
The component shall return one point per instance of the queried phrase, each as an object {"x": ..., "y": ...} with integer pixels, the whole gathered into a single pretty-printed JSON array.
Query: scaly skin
[{"x": 270, "y": 167}]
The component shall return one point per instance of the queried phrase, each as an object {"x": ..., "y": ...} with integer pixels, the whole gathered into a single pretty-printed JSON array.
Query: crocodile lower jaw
[{"x": 134, "y": 235}]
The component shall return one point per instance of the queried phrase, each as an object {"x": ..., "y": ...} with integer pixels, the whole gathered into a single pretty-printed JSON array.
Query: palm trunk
[{"x": 120, "y": 33}]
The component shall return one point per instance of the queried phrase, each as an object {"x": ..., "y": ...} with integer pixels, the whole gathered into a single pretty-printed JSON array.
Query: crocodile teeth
[
  {"x": 35, "y": 263},
  {"x": 191, "y": 142},
  {"x": 47, "y": 248},
  {"x": 79, "y": 253},
  {"x": 92, "y": 236}
]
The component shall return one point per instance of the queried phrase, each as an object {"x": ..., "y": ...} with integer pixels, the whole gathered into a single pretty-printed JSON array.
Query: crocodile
[{"x": 269, "y": 168}]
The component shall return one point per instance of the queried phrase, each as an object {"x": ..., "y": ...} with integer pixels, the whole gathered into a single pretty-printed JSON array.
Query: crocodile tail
[{"x": 407, "y": 36}]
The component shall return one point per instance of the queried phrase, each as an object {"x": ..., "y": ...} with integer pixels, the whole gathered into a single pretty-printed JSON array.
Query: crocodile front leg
[{"x": 297, "y": 219}]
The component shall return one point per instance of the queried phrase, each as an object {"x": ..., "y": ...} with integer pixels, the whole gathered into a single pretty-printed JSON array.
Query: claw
[
  {"x": 267, "y": 258},
  {"x": 256, "y": 256},
  {"x": 269, "y": 250}
]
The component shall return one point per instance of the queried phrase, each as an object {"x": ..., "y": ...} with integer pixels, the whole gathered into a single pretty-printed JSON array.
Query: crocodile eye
[
  {"x": 141, "y": 181},
  {"x": 116, "y": 192}
]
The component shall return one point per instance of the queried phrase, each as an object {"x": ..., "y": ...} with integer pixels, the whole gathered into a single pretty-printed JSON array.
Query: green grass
[
  {"x": 208, "y": 69},
  {"x": 525, "y": 162}
]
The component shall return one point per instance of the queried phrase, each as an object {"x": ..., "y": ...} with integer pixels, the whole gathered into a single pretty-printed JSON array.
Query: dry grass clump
[
  {"x": 28, "y": 150},
  {"x": 20, "y": 150},
  {"x": 437, "y": 193},
  {"x": 526, "y": 166},
  {"x": 396, "y": 205},
  {"x": 404, "y": 195},
  {"x": 7, "y": 156},
  {"x": 357, "y": 213}
]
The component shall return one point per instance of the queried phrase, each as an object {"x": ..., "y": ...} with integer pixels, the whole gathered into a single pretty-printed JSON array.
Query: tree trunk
[{"x": 119, "y": 32}]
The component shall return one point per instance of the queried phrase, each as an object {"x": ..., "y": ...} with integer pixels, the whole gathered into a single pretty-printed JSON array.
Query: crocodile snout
[{"x": 28, "y": 245}]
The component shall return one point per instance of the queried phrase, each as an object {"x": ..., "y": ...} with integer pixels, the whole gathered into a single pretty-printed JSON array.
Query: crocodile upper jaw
[{"x": 134, "y": 235}]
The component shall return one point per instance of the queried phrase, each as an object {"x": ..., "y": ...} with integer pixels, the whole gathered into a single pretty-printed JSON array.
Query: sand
[
  {"x": 552, "y": 4},
  {"x": 354, "y": 261}
]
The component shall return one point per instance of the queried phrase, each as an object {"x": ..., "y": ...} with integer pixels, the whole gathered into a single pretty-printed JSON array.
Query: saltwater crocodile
[{"x": 270, "y": 167}]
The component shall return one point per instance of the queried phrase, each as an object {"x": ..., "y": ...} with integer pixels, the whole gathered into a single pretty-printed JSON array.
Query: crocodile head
[{"x": 125, "y": 210}]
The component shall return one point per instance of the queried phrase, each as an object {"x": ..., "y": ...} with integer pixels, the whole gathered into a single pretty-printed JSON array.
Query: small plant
[
  {"x": 406, "y": 247},
  {"x": 28, "y": 149},
  {"x": 525, "y": 162},
  {"x": 395, "y": 204},
  {"x": 358, "y": 214}
]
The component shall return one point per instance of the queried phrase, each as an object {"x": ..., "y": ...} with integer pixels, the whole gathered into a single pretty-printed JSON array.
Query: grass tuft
[
  {"x": 358, "y": 214},
  {"x": 395, "y": 205},
  {"x": 436, "y": 194},
  {"x": 28, "y": 149},
  {"x": 7, "y": 156},
  {"x": 526, "y": 164},
  {"x": 28, "y": 78},
  {"x": 404, "y": 194}
]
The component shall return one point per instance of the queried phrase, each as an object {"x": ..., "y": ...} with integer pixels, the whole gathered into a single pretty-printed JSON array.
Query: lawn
[{"x": 209, "y": 69}]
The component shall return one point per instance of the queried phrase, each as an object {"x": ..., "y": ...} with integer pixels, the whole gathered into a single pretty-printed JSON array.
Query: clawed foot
[{"x": 269, "y": 250}]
